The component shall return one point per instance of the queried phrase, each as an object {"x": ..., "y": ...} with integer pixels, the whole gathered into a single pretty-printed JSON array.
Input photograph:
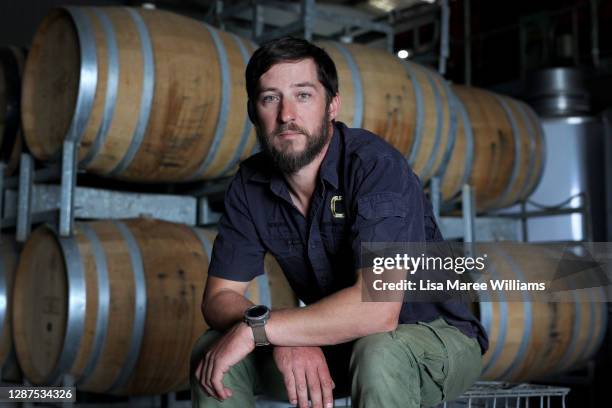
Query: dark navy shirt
[{"x": 365, "y": 192}]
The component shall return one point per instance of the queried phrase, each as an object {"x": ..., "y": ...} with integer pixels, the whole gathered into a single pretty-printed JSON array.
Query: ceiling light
[{"x": 403, "y": 54}]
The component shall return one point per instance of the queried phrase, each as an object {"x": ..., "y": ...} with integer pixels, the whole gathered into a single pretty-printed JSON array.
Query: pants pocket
[{"x": 464, "y": 361}]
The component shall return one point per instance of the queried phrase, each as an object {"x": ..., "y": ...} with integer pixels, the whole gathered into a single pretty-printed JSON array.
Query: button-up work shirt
[{"x": 365, "y": 192}]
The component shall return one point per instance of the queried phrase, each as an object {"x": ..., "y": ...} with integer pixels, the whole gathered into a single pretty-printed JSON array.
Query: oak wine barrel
[
  {"x": 149, "y": 95},
  {"x": 528, "y": 338},
  {"x": 499, "y": 149},
  {"x": 117, "y": 306}
]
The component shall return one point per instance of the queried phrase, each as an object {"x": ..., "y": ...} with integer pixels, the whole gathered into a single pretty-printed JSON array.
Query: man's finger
[
  {"x": 290, "y": 386},
  {"x": 217, "y": 383},
  {"x": 198, "y": 371},
  {"x": 208, "y": 374},
  {"x": 314, "y": 388},
  {"x": 301, "y": 387},
  {"x": 327, "y": 385},
  {"x": 201, "y": 380}
]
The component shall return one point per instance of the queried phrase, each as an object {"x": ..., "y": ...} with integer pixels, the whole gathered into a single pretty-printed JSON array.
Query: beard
[{"x": 284, "y": 159}]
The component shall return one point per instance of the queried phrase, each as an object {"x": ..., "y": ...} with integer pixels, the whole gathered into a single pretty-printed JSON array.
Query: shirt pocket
[
  {"x": 382, "y": 205},
  {"x": 334, "y": 235},
  {"x": 283, "y": 242}
]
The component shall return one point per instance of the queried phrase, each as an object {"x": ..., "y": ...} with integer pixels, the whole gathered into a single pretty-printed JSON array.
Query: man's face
[{"x": 293, "y": 117}]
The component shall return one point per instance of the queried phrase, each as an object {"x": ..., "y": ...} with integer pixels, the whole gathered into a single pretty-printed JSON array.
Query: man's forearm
[
  {"x": 225, "y": 309},
  {"x": 335, "y": 319}
]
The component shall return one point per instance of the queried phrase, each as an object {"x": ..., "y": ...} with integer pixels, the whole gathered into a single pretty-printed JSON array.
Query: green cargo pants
[{"x": 415, "y": 365}]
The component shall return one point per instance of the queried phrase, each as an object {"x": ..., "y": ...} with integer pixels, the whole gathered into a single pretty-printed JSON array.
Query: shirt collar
[{"x": 328, "y": 170}]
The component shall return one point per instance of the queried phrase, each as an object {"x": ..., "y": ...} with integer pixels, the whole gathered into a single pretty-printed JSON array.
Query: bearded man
[{"x": 315, "y": 192}]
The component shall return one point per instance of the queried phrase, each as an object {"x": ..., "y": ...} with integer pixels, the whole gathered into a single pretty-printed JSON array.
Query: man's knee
[
  {"x": 384, "y": 373},
  {"x": 377, "y": 358}
]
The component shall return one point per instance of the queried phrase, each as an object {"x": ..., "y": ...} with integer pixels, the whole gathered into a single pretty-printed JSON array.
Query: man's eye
[
  {"x": 268, "y": 98},
  {"x": 304, "y": 96}
]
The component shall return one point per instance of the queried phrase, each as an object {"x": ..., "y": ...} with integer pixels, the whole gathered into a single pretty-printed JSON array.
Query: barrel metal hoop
[
  {"x": 503, "y": 323},
  {"x": 428, "y": 170},
  {"x": 532, "y": 147},
  {"x": 246, "y": 130},
  {"x": 469, "y": 147},
  {"x": 102, "y": 316},
  {"x": 603, "y": 306},
  {"x": 452, "y": 108},
  {"x": 420, "y": 110},
  {"x": 517, "y": 151},
  {"x": 3, "y": 298},
  {"x": 77, "y": 303},
  {"x": 539, "y": 126},
  {"x": 357, "y": 85},
  {"x": 485, "y": 305},
  {"x": 112, "y": 85},
  {"x": 225, "y": 101},
  {"x": 204, "y": 241},
  {"x": 140, "y": 307},
  {"x": 528, "y": 310},
  {"x": 567, "y": 360},
  {"x": 586, "y": 350},
  {"x": 148, "y": 89},
  {"x": 88, "y": 78}
]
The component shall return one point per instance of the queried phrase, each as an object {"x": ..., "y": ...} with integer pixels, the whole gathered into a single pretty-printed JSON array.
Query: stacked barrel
[
  {"x": 117, "y": 306},
  {"x": 154, "y": 97},
  {"x": 532, "y": 337},
  {"x": 151, "y": 96}
]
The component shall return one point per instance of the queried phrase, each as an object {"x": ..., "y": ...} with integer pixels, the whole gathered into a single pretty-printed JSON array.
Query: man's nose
[{"x": 287, "y": 111}]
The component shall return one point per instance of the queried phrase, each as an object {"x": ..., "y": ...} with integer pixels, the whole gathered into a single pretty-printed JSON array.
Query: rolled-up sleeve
[
  {"x": 238, "y": 253},
  {"x": 389, "y": 204}
]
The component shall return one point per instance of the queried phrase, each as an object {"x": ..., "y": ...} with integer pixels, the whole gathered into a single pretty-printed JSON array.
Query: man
[{"x": 311, "y": 197}]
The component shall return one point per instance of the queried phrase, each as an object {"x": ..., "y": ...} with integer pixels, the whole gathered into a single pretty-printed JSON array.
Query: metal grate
[{"x": 497, "y": 394}]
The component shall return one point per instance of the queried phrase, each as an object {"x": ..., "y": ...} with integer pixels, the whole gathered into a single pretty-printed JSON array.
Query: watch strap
[{"x": 259, "y": 334}]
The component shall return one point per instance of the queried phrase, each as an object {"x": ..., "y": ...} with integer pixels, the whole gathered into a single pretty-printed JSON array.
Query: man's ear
[{"x": 334, "y": 107}]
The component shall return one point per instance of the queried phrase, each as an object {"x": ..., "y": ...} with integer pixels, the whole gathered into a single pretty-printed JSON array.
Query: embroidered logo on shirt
[{"x": 332, "y": 205}]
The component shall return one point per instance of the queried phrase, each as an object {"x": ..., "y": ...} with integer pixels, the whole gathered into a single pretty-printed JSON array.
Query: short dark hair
[{"x": 291, "y": 49}]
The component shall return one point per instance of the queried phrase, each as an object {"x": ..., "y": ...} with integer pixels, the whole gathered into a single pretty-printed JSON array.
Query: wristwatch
[{"x": 257, "y": 317}]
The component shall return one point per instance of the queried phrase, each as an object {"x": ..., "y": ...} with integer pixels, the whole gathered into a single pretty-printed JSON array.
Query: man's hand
[
  {"x": 305, "y": 373},
  {"x": 230, "y": 349}
]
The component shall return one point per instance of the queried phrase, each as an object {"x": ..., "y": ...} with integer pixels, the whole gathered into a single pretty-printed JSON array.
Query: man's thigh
[
  {"x": 449, "y": 361},
  {"x": 430, "y": 361}
]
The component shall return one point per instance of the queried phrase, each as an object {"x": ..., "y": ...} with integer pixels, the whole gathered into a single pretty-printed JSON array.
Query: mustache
[{"x": 289, "y": 127}]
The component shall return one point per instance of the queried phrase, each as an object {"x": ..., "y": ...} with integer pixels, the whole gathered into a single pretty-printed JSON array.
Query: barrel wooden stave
[
  {"x": 50, "y": 89},
  {"x": 458, "y": 167}
]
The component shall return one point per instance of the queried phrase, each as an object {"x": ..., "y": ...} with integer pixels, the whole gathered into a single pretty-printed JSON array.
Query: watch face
[{"x": 257, "y": 312}]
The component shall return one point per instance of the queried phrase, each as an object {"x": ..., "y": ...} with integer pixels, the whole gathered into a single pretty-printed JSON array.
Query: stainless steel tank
[
  {"x": 558, "y": 92},
  {"x": 574, "y": 168}
]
